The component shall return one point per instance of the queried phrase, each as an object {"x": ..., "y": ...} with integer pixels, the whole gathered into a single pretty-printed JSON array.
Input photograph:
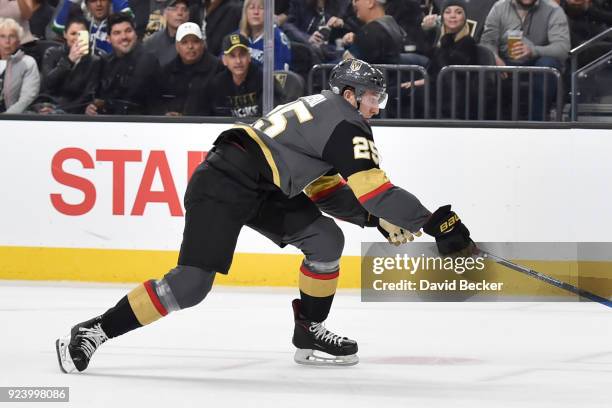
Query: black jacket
[
  {"x": 239, "y": 101},
  {"x": 462, "y": 52},
  {"x": 304, "y": 19},
  {"x": 71, "y": 85},
  {"x": 186, "y": 89},
  {"x": 409, "y": 16},
  {"x": 220, "y": 21},
  {"x": 244, "y": 100},
  {"x": 379, "y": 42},
  {"x": 585, "y": 24},
  {"x": 128, "y": 84}
]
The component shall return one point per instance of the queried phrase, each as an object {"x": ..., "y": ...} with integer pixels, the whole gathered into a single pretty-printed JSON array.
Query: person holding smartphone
[
  {"x": 380, "y": 40},
  {"x": 70, "y": 72},
  {"x": 318, "y": 24}
]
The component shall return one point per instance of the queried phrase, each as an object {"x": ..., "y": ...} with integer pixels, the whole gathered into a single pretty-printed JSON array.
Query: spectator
[
  {"x": 162, "y": 44},
  {"x": 128, "y": 80},
  {"x": 70, "y": 72},
  {"x": 380, "y": 40},
  {"x": 149, "y": 17},
  {"x": 41, "y": 19},
  {"x": 544, "y": 41},
  {"x": 185, "y": 82},
  {"x": 19, "y": 80},
  {"x": 317, "y": 23},
  {"x": 97, "y": 12},
  {"x": 351, "y": 22},
  {"x": 586, "y": 19},
  {"x": 21, "y": 11},
  {"x": 221, "y": 17},
  {"x": 238, "y": 89},
  {"x": 252, "y": 28},
  {"x": 454, "y": 47},
  {"x": 409, "y": 16}
]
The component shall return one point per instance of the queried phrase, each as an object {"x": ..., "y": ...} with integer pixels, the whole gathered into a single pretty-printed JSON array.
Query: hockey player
[{"x": 268, "y": 176}]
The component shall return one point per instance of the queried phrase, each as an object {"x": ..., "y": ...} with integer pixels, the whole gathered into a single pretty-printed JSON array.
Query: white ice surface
[{"x": 234, "y": 350}]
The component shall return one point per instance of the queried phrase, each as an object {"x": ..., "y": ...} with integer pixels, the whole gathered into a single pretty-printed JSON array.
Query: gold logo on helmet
[{"x": 356, "y": 65}]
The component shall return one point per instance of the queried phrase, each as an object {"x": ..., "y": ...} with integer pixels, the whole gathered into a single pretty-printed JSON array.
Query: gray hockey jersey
[{"x": 320, "y": 144}]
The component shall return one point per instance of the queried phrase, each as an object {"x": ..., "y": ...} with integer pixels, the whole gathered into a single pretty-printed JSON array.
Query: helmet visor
[{"x": 376, "y": 99}]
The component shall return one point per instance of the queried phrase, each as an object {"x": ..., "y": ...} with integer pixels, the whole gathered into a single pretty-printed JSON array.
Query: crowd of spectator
[{"x": 204, "y": 57}]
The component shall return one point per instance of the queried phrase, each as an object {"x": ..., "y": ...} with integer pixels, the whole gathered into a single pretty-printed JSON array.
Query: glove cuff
[
  {"x": 455, "y": 242},
  {"x": 372, "y": 221}
]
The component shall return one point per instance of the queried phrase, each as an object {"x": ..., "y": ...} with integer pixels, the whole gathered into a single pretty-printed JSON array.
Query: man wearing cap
[
  {"x": 128, "y": 80},
  {"x": 380, "y": 40},
  {"x": 162, "y": 43},
  {"x": 238, "y": 89},
  {"x": 185, "y": 81}
]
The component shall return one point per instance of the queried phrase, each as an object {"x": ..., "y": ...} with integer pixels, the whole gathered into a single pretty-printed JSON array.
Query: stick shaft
[{"x": 548, "y": 279}]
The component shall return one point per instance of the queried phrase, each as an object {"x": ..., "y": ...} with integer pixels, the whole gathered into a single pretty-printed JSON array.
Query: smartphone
[
  {"x": 83, "y": 41},
  {"x": 325, "y": 31}
]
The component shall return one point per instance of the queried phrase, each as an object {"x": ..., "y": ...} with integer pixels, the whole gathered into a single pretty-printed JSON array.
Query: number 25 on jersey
[
  {"x": 276, "y": 120},
  {"x": 364, "y": 148}
]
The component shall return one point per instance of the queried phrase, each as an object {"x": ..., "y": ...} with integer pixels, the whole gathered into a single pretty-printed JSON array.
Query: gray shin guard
[
  {"x": 183, "y": 287},
  {"x": 165, "y": 295},
  {"x": 322, "y": 267}
]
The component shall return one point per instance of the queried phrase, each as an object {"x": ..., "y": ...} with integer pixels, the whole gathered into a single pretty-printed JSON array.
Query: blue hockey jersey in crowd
[
  {"x": 282, "y": 50},
  {"x": 98, "y": 31}
]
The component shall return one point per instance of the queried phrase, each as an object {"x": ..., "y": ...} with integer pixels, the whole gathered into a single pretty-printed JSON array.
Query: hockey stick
[{"x": 545, "y": 278}]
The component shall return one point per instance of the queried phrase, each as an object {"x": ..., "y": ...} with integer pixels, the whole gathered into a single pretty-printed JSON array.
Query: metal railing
[
  {"x": 495, "y": 74},
  {"x": 410, "y": 70},
  {"x": 582, "y": 72}
]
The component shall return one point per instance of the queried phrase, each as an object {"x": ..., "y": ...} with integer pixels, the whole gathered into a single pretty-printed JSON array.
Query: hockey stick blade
[{"x": 545, "y": 278}]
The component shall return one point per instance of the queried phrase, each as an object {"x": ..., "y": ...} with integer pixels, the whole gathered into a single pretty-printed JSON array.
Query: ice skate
[
  {"x": 75, "y": 350},
  {"x": 318, "y": 346}
]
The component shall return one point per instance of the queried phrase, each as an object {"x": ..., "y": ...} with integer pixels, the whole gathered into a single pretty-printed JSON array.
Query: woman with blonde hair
[
  {"x": 455, "y": 46},
  {"x": 252, "y": 27},
  {"x": 19, "y": 78}
]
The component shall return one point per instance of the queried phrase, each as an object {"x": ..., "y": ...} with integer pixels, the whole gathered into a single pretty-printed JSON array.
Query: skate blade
[
  {"x": 63, "y": 355},
  {"x": 308, "y": 357}
]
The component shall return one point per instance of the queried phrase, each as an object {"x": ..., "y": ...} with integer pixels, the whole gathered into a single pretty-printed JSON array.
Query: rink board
[{"x": 102, "y": 201}]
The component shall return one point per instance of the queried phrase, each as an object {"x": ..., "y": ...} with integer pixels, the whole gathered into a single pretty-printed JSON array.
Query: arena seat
[{"x": 290, "y": 84}]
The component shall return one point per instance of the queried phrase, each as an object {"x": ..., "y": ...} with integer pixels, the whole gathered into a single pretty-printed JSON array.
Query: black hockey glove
[{"x": 452, "y": 237}]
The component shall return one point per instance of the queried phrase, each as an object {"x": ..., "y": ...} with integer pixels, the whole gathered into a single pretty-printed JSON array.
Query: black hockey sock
[
  {"x": 119, "y": 319},
  {"x": 315, "y": 308},
  {"x": 317, "y": 292}
]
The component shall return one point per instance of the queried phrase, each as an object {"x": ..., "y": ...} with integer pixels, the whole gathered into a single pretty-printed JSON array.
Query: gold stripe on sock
[
  {"x": 317, "y": 287},
  {"x": 142, "y": 305}
]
